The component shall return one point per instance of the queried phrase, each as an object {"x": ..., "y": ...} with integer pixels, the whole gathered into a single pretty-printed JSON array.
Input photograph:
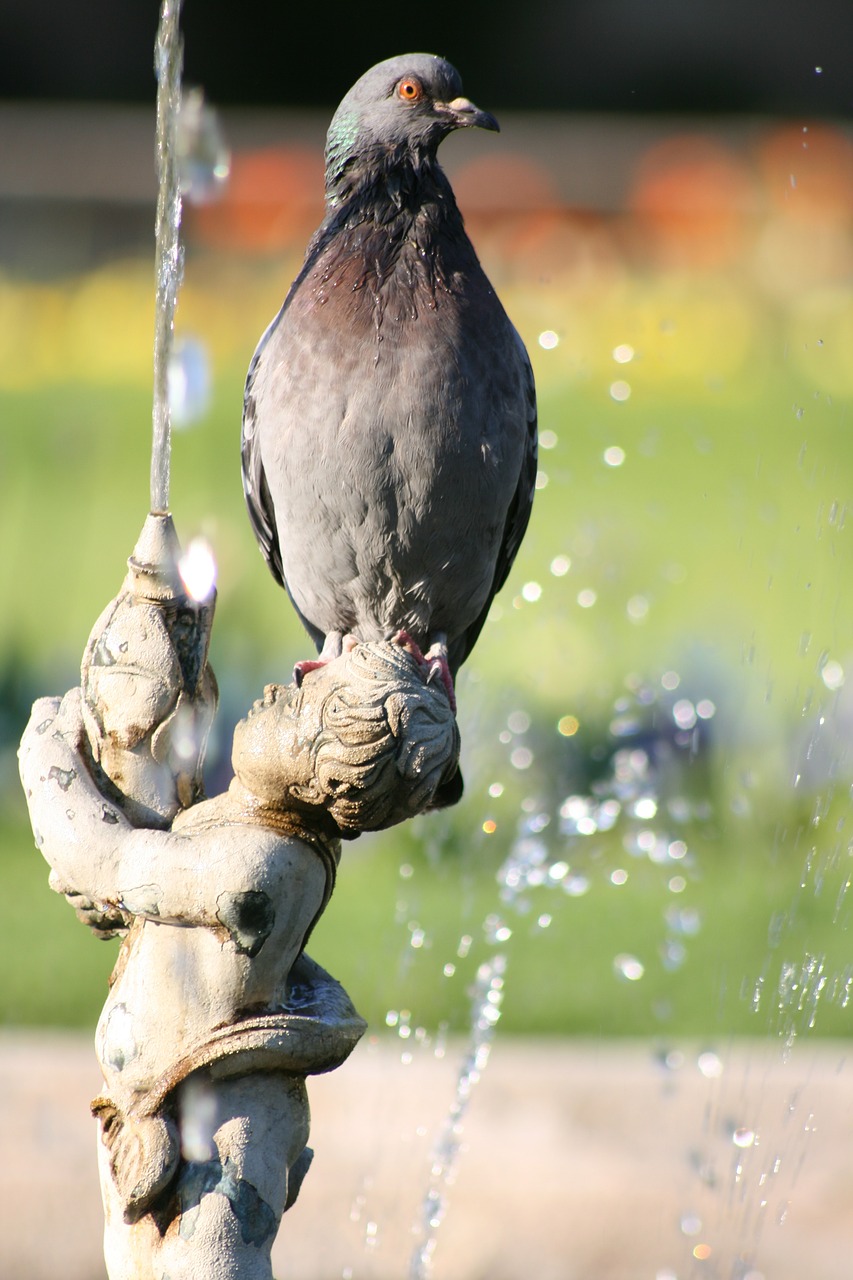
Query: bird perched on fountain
[{"x": 389, "y": 423}]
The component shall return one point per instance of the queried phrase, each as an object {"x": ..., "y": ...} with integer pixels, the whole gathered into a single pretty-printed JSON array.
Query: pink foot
[
  {"x": 301, "y": 669},
  {"x": 405, "y": 641},
  {"x": 333, "y": 646},
  {"x": 434, "y": 663},
  {"x": 436, "y": 656}
]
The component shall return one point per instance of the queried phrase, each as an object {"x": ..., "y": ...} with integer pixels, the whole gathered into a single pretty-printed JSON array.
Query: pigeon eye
[{"x": 409, "y": 90}]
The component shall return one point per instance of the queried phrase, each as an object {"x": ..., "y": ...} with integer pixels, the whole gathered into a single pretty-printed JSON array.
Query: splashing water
[
  {"x": 197, "y": 567},
  {"x": 543, "y": 856},
  {"x": 203, "y": 157},
  {"x": 168, "y": 65},
  {"x": 189, "y": 382},
  {"x": 485, "y": 1014}
]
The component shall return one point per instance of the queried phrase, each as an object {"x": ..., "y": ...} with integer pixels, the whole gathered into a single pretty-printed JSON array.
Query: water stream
[
  {"x": 168, "y": 66},
  {"x": 555, "y": 853}
]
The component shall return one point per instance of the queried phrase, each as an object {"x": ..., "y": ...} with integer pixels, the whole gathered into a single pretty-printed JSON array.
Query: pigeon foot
[
  {"x": 301, "y": 669},
  {"x": 434, "y": 662},
  {"x": 333, "y": 646},
  {"x": 439, "y": 667},
  {"x": 405, "y": 641}
]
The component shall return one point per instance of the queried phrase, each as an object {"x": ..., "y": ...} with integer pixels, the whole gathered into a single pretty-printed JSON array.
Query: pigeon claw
[
  {"x": 433, "y": 662},
  {"x": 301, "y": 669},
  {"x": 439, "y": 669},
  {"x": 405, "y": 641}
]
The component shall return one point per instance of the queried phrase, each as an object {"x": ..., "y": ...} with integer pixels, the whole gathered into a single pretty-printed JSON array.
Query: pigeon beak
[{"x": 464, "y": 114}]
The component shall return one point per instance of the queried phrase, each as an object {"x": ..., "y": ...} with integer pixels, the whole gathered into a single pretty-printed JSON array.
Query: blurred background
[
  {"x": 667, "y": 217},
  {"x": 655, "y": 839}
]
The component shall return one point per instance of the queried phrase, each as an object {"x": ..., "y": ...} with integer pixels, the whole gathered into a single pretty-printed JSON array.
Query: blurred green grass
[
  {"x": 708, "y": 557},
  {"x": 712, "y": 520}
]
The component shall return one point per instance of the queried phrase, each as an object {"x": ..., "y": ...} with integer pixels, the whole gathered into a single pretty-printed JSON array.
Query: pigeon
[{"x": 389, "y": 418}]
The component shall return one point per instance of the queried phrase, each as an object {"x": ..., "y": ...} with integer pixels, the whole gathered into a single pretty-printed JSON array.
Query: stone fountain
[{"x": 215, "y": 1014}]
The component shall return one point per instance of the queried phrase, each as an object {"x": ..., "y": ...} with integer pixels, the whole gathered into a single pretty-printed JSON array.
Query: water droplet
[
  {"x": 186, "y": 739},
  {"x": 568, "y": 726},
  {"x": 490, "y": 827},
  {"x": 620, "y": 390},
  {"x": 518, "y": 721},
  {"x": 548, "y": 339},
  {"x": 684, "y": 920},
  {"x": 832, "y": 675},
  {"x": 638, "y": 608},
  {"x": 673, "y": 955},
  {"x": 587, "y": 598},
  {"x": 684, "y": 713},
  {"x": 560, "y": 566},
  {"x": 619, "y": 876},
  {"x": 547, "y": 439},
  {"x": 628, "y": 967},
  {"x": 197, "y": 568},
  {"x": 614, "y": 456},
  {"x": 531, "y": 591},
  {"x": 576, "y": 886},
  {"x": 198, "y": 1120},
  {"x": 670, "y": 680},
  {"x": 710, "y": 1065},
  {"x": 188, "y": 381},
  {"x": 495, "y": 929},
  {"x": 623, "y": 354},
  {"x": 743, "y": 1137},
  {"x": 203, "y": 159}
]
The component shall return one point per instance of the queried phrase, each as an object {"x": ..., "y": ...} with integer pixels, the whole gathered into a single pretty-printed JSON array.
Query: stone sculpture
[{"x": 215, "y": 1014}]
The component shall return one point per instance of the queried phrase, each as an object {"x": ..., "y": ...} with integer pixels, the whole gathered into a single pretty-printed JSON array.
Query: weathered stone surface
[
  {"x": 149, "y": 695},
  {"x": 215, "y": 1015}
]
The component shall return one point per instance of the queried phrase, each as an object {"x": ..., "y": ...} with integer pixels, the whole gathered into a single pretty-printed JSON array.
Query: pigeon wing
[
  {"x": 518, "y": 515},
  {"x": 255, "y": 487}
]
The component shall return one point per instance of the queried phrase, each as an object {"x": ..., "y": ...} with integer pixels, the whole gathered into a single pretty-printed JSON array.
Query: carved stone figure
[{"x": 215, "y": 1014}]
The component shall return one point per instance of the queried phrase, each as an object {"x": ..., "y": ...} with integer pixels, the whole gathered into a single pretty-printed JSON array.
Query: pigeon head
[{"x": 399, "y": 111}]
